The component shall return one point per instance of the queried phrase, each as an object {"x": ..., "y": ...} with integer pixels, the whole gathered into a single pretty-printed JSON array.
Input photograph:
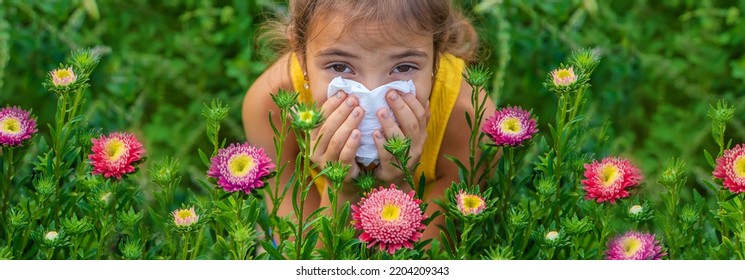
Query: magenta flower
[
  {"x": 634, "y": 246},
  {"x": 470, "y": 204},
  {"x": 510, "y": 126},
  {"x": 389, "y": 218},
  {"x": 115, "y": 154},
  {"x": 16, "y": 125},
  {"x": 610, "y": 179},
  {"x": 731, "y": 169},
  {"x": 185, "y": 217},
  {"x": 240, "y": 167}
]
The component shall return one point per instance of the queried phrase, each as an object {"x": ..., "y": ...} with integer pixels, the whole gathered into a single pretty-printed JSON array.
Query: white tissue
[{"x": 371, "y": 101}]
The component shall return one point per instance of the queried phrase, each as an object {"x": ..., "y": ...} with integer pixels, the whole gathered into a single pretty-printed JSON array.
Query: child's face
[{"x": 368, "y": 54}]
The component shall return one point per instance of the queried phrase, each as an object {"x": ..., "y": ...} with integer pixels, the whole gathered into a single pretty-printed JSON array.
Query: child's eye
[
  {"x": 339, "y": 68},
  {"x": 404, "y": 68}
]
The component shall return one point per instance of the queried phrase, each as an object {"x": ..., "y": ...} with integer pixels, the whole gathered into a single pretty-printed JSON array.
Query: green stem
[
  {"x": 277, "y": 197},
  {"x": 558, "y": 147},
  {"x": 185, "y": 249},
  {"x": 8, "y": 164},
  {"x": 462, "y": 247},
  {"x": 195, "y": 250},
  {"x": 335, "y": 222},
  {"x": 510, "y": 175},
  {"x": 303, "y": 179},
  {"x": 75, "y": 104},
  {"x": 239, "y": 209},
  {"x": 75, "y": 246}
]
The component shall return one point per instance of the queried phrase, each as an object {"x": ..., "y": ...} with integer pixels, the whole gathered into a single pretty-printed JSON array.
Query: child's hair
[{"x": 452, "y": 32}]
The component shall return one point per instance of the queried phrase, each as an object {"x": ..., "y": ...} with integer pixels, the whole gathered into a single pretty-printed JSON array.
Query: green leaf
[
  {"x": 310, "y": 244},
  {"x": 468, "y": 120},
  {"x": 457, "y": 162},
  {"x": 269, "y": 248},
  {"x": 205, "y": 159}
]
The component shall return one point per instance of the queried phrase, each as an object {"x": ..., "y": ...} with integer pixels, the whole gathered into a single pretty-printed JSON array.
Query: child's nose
[{"x": 372, "y": 83}]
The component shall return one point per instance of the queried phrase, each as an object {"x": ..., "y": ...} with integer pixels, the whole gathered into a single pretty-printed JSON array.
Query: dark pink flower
[
  {"x": 16, "y": 125},
  {"x": 610, "y": 179},
  {"x": 115, "y": 154},
  {"x": 731, "y": 169},
  {"x": 389, "y": 218},
  {"x": 240, "y": 167},
  {"x": 510, "y": 126},
  {"x": 634, "y": 246}
]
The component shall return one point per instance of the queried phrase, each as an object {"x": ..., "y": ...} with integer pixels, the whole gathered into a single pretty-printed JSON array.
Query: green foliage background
[{"x": 663, "y": 63}]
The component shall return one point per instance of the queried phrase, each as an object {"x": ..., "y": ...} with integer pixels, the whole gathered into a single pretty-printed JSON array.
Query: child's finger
[
  {"x": 384, "y": 156},
  {"x": 349, "y": 152},
  {"x": 330, "y": 106},
  {"x": 343, "y": 133},
  {"x": 408, "y": 121},
  {"x": 419, "y": 110},
  {"x": 390, "y": 128},
  {"x": 333, "y": 122}
]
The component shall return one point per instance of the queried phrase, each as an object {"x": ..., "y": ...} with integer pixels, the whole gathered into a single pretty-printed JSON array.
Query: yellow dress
[{"x": 445, "y": 92}]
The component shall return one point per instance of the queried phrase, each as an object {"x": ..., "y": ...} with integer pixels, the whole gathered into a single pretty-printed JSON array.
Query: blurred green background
[{"x": 663, "y": 63}]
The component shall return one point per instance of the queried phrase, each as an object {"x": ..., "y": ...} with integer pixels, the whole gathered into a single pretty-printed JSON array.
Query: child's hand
[
  {"x": 412, "y": 122},
  {"x": 338, "y": 137}
]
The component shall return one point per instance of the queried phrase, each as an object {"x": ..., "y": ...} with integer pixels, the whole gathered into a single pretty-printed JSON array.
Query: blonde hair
[{"x": 451, "y": 31}]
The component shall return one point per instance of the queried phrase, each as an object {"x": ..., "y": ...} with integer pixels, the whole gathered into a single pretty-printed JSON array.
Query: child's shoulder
[
  {"x": 276, "y": 77},
  {"x": 258, "y": 101}
]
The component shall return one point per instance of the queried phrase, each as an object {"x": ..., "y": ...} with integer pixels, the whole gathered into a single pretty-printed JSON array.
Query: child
[{"x": 373, "y": 42}]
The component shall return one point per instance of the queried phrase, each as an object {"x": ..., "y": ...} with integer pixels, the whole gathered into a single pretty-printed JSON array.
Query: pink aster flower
[
  {"x": 610, "y": 179},
  {"x": 240, "y": 167},
  {"x": 63, "y": 77},
  {"x": 185, "y": 217},
  {"x": 116, "y": 154},
  {"x": 470, "y": 204},
  {"x": 731, "y": 169},
  {"x": 389, "y": 218},
  {"x": 563, "y": 76},
  {"x": 16, "y": 125},
  {"x": 634, "y": 246},
  {"x": 510, "y": 126}
]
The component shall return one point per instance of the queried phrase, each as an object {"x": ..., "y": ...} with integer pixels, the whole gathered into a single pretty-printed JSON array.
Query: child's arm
[{"x": 454, "y": 143}]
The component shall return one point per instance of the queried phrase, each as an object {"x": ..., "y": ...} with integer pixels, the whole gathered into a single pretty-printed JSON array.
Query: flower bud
[
  {"x": 285, "y": 100},
  {"x": 337, "y": 171}
]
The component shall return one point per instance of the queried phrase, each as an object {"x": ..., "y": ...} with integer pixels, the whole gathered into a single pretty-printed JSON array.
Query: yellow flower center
[
  {"x": 114, "y": 149},
  {"x": 739, "y": 167},
  {"x": 10, "y": 125},
  {"x": 63, "y": 74},
  {"x": 241, "y": 164},
  {"x": 631, "y": 245},
  {"x": 306, "y": 116},
  {"x": 511, "y": 125},
  {"x": 184, "y": 213},
  {"x": 563, "y": 73},
  {"x": 390, "y": 213},
  {"x": 471, "y": 202},
  {"x": 609, "y": 174}
]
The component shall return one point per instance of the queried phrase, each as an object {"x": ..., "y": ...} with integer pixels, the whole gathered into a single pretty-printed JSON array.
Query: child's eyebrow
[
  {"x": 337, "y": 52},
  {"x": 343, "y": 53},
  {"x": 409, "y": 53}
]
